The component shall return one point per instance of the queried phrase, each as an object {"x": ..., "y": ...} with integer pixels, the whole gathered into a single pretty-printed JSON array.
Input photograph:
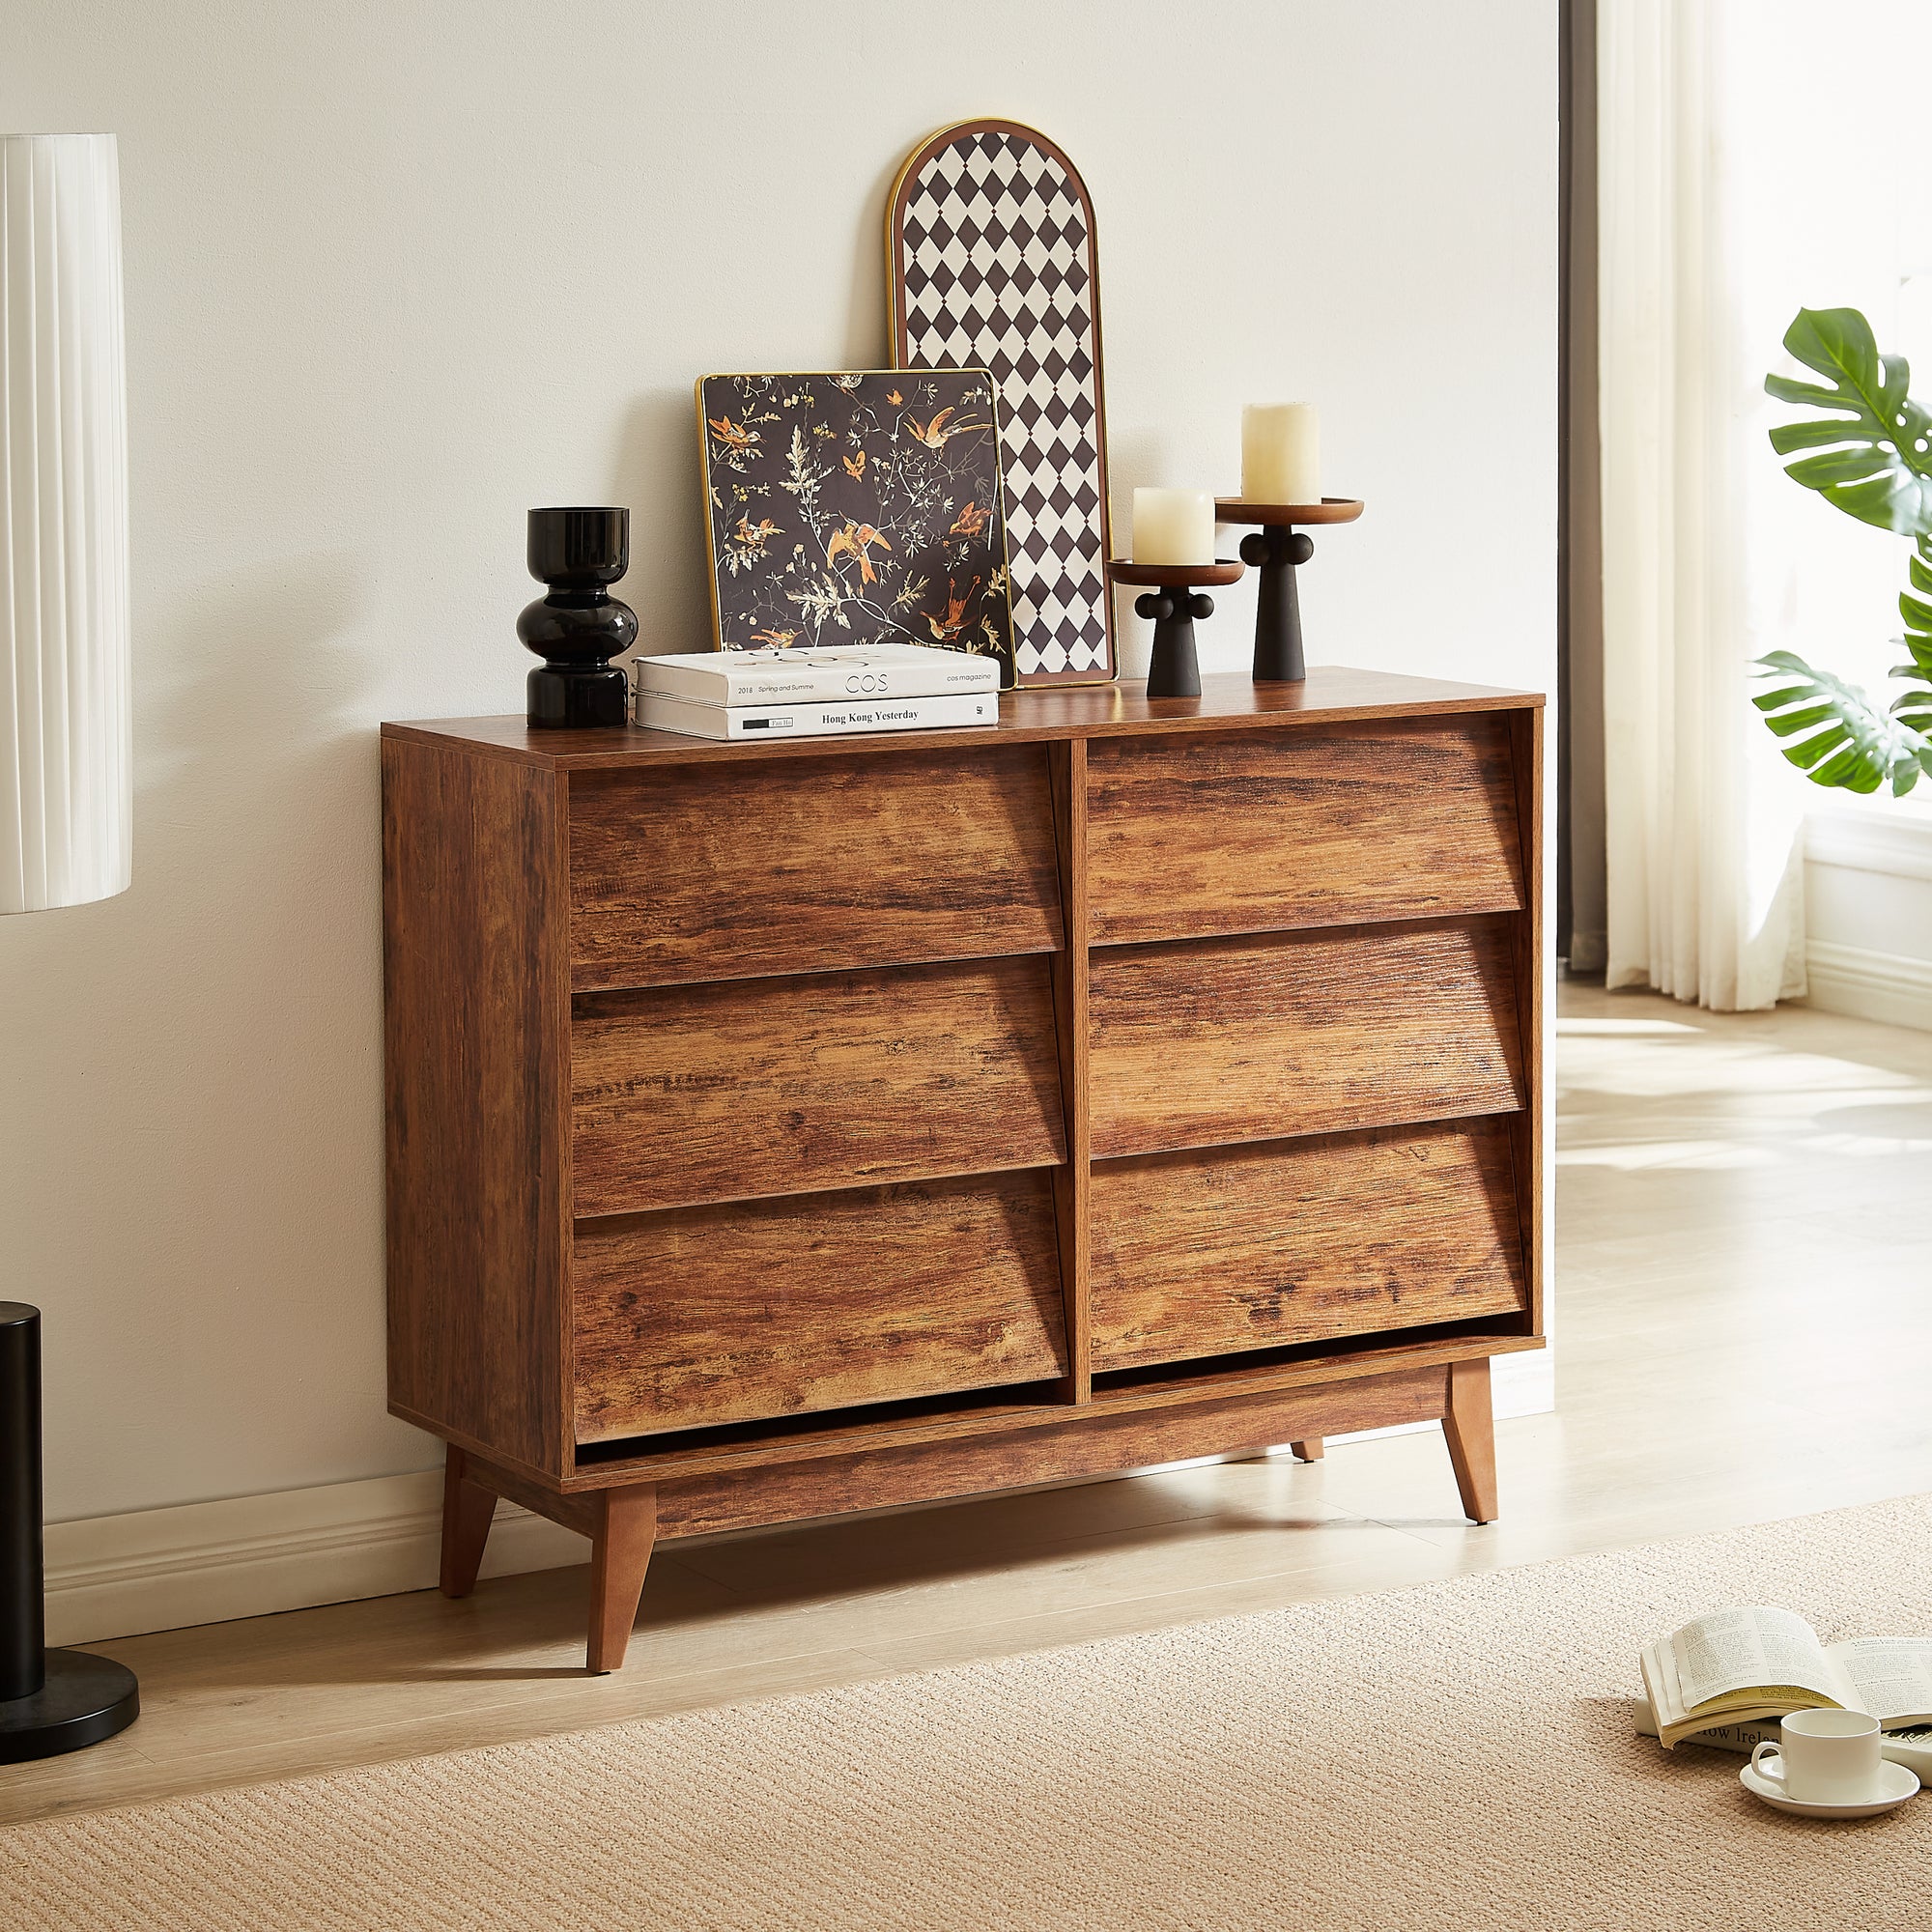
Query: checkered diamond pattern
[{"x": 997, "y": 256}]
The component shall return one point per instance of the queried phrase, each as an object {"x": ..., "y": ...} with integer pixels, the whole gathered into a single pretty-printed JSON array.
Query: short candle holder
[
  {"x": 1274, "y": 550},
  {"x": 1174, "y": 602}
]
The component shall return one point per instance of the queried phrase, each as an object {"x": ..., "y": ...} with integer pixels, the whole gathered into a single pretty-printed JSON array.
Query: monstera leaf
[
  {"x": 1876, "y": 452},
  {"x": 1914, "y": 708},
  {"x": 1851, "y": 744}
]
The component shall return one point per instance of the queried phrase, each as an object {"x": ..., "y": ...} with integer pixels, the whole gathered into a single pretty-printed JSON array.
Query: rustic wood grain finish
[
  {"x": 1071, "y": 1183},
  {"x": 1332, "y": 694},
  {"x": 737, "y": 1313},
  {"x": 1092, "y": 1442},
  {"x": 468, "y": 1511},
  {"x": 473, "y": 1024},
  {"x": 1525, "y": 728},
  {"x": 1468, "y": 1427},
  {"x": 780, "y": 1130},
  {"x": 1212, "y": 1252},
  {"x": 582, "y": 1509},
  {"x": 851, "y": 1432},
  {"x": 1241, "y": 1039},
  {"x": 1254, "y": 832},
  {"x": 693, "y": 1094},
  {"x": 723, "y": 871},
  {"x": 620, "y": 1556}
]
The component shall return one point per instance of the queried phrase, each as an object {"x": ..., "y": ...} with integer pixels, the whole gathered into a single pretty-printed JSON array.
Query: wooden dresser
[{"x": 783, "y": 1129}]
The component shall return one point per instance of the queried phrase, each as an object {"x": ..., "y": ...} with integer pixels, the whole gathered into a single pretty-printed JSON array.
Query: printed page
[
  {"x": 1740, "y": 1649},
  {"x": 1893, "y": 1675}
]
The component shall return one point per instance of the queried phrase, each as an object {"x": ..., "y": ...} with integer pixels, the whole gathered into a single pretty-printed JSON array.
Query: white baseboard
[
  {"x": 205, "y": 1563},
  {"x": 1894, "y": 843},
  {"x": 1869, "y": 985},
  {"x": 1519, "y": 1385},
  {"x": 250, "y": 1556},
  {"x": 1524, "y": 1384}
]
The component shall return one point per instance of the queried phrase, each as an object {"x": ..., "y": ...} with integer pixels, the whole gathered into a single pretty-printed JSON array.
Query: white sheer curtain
[
  {"x": 1705, "y": 877},
  {"x": 1742, "y": 173}
]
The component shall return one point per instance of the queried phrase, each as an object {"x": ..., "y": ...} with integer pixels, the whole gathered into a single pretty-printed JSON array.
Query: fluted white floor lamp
[{"x": 66, "y": 784}]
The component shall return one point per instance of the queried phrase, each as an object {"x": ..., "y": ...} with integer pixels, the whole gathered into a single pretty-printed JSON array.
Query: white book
[
  {"x": 814, "y": 673},
  {"x": 1740, "y": 1665},
  {"x": 775, "y": 722}
]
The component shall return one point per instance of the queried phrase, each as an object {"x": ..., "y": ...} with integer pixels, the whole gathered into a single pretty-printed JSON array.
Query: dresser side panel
[{"x": 475, "y": 1039}]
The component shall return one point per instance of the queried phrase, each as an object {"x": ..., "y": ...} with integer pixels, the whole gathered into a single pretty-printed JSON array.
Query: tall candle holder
[
  {"x": 1174, "y": 600},
  {"x": 1275, "y": 550}
]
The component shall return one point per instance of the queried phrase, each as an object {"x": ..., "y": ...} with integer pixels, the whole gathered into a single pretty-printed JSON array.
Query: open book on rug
[
  {"x": 1737, "y": 1666},
  {"x": 1911, "y": 1745}
]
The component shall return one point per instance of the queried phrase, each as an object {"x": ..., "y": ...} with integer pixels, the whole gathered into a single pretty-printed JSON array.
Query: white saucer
[{"x": 1896, "y": 1784}]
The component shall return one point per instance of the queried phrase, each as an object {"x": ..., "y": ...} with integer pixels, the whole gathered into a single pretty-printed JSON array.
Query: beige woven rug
[{"x": 1455, "y": 1755}]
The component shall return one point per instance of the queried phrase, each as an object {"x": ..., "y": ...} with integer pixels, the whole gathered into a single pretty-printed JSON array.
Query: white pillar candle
[
  {"x": 1281, "y": 453},
  {"x": 1173, "y": 526}
]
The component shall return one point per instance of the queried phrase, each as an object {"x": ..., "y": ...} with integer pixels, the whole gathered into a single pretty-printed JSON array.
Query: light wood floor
[{"x": 1743, "y": 1257}]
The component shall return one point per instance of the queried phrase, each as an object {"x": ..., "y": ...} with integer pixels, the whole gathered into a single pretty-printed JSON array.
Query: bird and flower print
[{"x": 860, "y": 508}]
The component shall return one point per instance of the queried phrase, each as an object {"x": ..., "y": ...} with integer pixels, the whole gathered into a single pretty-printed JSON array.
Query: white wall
[{"x": 396, "y": 273}]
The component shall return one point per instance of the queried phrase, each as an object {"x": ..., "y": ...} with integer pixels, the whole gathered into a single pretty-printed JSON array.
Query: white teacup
[{"x": 1825, "y": 1757}]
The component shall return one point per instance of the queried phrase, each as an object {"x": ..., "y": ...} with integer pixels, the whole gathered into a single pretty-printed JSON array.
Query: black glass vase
[{"x": 580, "y": 627}]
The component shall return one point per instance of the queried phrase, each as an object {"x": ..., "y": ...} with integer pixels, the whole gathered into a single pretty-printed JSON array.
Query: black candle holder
[
  {"x": 1174, "y": 602},
  {"x": 50, "y": 1700},
  {"x": 580, "y": 627},
  {"x": 1275, "y": 551}
]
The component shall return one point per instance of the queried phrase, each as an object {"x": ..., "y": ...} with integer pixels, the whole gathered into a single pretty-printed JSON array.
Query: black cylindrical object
[
  {"x": 580, "y": 627},
  {"x": 23, "y": 1638},
  {"x": 50, "y": 1700}
]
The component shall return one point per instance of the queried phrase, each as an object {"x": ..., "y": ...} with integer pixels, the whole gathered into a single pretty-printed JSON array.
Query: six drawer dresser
[{"x": 775, "y": 1130}]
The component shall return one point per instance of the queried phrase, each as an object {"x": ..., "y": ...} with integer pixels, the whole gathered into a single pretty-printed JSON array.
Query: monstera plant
[{"x": 1873, "y": 461}]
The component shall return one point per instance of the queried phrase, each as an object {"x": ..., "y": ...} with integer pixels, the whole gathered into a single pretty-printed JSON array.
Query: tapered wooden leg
[
  {"x": 468, "y": 1509},
  {"x": 1309, "y": 1449},
  {"x": 620, "y": 1553},
  {"x": 1470, "y": 1429}
]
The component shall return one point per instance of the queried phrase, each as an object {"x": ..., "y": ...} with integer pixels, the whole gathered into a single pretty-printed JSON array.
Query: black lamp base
[{"x": 85, "y": 1700}]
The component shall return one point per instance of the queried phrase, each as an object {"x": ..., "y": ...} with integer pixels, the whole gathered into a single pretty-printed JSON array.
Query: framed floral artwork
[{"x": 861, "y": 507}]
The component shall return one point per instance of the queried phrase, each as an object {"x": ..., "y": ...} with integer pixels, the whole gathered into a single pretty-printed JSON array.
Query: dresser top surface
[{"x": 1332, "y": 694}]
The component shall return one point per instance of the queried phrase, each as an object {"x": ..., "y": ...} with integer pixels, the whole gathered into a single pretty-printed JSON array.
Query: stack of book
[{"x": 817, "y": 691}]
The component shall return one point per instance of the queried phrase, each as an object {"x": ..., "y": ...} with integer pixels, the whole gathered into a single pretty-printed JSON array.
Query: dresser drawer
[
  {"x": 1212, "y": 1252},
  {"x": 768, "y": 1308},
  {"x": 1243, "y": 1039},
  {"x": 690, "y": 1093},
  {"x": 1257, "y": 831},
  {"x": 734, "y": 869}
]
